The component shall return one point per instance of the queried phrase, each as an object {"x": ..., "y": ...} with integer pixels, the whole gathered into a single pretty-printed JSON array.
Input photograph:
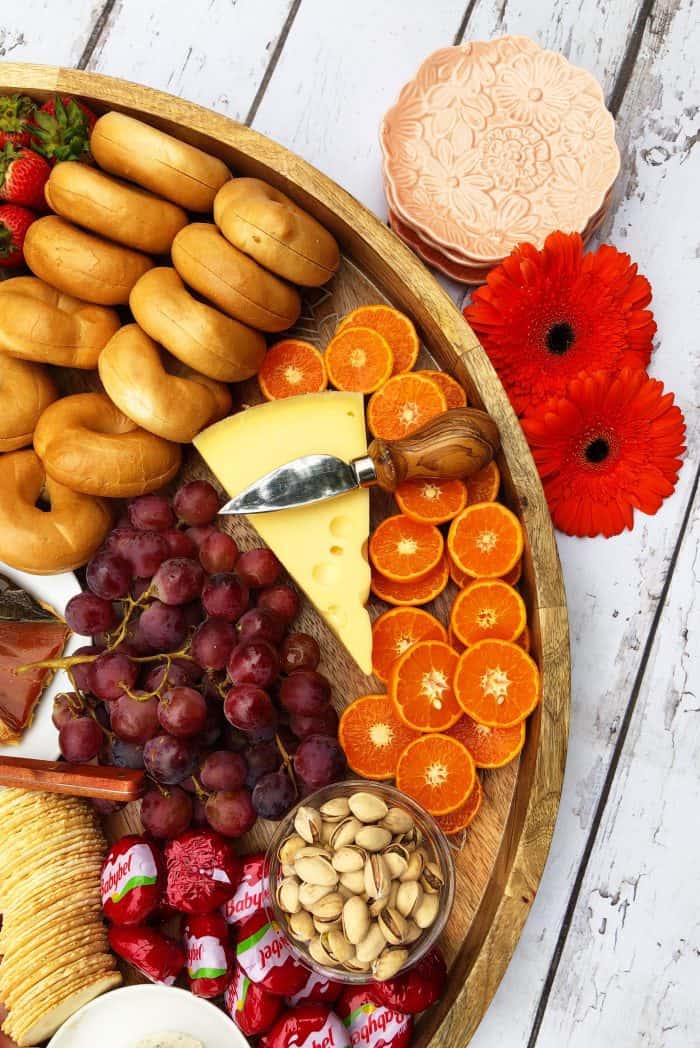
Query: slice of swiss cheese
[{"x": 322, "y": 546}]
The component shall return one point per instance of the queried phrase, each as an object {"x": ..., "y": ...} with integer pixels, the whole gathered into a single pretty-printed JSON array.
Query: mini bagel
[
  {"x": 113, "y": 208},
  {"x": 25, "y": 390},
  {"x": 45, "y": 542},
  {"x": 155, "y": 160},
  {"x": 258, "y": 219},
  {"x": 88, "y": 444},
  {"x": 39, "y": 323},
  {"x": 194, "y": 332},
  {"x": 173, "y": 406},
  {"x": 81, "y": 263}
]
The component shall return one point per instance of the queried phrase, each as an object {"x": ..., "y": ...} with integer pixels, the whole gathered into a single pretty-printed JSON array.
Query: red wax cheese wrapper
[
  {"x": 415, "y": 990},
  {"x": 307, "y": 1026},
  {"x": 317, "y": 989},
  {"x": 252, "y": 1007},
  {"x": 132, "y": 880},
  {"x": 264, "y": 954},
  {"x": 252, "y": 893},
  {"x": 156, "y": 956},
  {"x": 208, "y": 953},
  {"x": 369, "y": 1022},
  {"x": 202, "y": 871}
]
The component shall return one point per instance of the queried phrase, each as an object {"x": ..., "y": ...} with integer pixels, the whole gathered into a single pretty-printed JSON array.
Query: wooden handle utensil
[{"x": 78, "y": 780}]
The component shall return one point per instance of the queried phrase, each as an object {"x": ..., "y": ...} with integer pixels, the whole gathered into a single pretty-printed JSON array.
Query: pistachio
[
  {"x": 366, "y": 807},
  {"x": 327, "y": 832},
  {"x": 389, "y": 964},
  {"x": 371, "y": 945},
  {"x": 353, "y": 881},
  {"x": 372, "y": 838},
  {"x": 301, "y": 926},
  {"x": 344, "y": 890},
  {"x": 287, "y": 869},
  {"x": 316, "y": 869},
  {"x": 377, "y": 905},
  {"x": 426, "y": 911},
  {"x": 397, "y": 821},
  {"x": 408, "y": 896},
  {"x": 396, "y": 858},
  {"x": 330, "y": 907},
  {"x": 431, "y": 878},
  {"x": 393, "y": 926},
  {"x": 337, "y": 946},
  {"x": 319, "y": 952},
  {"x": 413, "y": 932},
  {"x": 414, "y": 868},
  {"x": 377, "y": 879},
  {"x": 308, "y": 823},
  {"x": 335, "y": 809},
  {"x": 412, "y": 837},
  {"x": 328, "y": 925},
  {"x": 344, "y": 832},
  {"x": 353, "y": 965},
  {"x": 309, "y": 851},
  {"x": 355, "y": 920},
  {"x": 309, "y": 894},
  {"x": 288, "y": 895},
  {"x": 348, "y": 858},
  {"x": 289, "y": 848}
]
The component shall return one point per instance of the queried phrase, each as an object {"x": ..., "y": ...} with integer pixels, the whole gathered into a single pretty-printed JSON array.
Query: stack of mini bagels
[{"x": 199, "y": 317}]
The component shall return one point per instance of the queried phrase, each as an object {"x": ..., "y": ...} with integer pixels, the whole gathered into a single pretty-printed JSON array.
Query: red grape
[
  {"x": 306, "y": 692},
  {"x": 169, "y": 760},
  {"x": 258, "y": 567},
  {"x": 163, "y": 627},
  {"x": 198, "y": 533},
  {"x": 212, "y": 644},
  {"x": 110, "y": 674},
  {"x": 135, "y": 639},
  {"x": 274, "y": 795},
  {"x": 223, "y": 770},
  {"x": 88, "y": 614},
  {"x": 261, "y": 759},
  {"x": 125, "y": 754},
  {"x": 255, "y": 662},
  {"x": 119, "y": 537},
  {"x": 249, "y": 708},
  {"x": 163, "y": 676},
  {"x": 66, "y": 707},
  {"x": 82, "y": 670},
  {"x": 300, "y": 651},
  {"x": 230, "y": 812},
  {"x": 109, "y": 575},
  {"x": 260, "y": 624},
  {"x": 196, "y": 502},
  {"x": 80, "y": 740},
  {"x": 324, "y": 723},
  {"x": 218, "y": 552},
  {"x": 225, "y": 597},
  {"x": 180, "y": 544},
  {"x": 145, "y": 552},
  {"x": 151, "y": 513},
  {"x": 182, "y": 711},
  {"x": 319, "y": 761},
  {"x": 178, "y": 580},
  {"x": 166, "y": 814},
  {"x": 135, "y": 720},
  {"x": 281, "y": 599}
]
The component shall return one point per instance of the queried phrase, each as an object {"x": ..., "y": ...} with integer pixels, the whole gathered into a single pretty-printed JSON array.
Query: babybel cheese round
[{"x": 131, "y": 882}]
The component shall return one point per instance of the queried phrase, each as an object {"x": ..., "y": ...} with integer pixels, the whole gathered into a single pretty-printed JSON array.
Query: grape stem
[{"x": 288, "y": 763}]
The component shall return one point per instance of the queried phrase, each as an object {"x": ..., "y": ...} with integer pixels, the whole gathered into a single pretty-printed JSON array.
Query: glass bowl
[{"x": 433, "y": 839}]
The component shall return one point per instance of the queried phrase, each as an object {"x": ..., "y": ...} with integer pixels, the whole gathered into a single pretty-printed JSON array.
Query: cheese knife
[{"x": 456, "y": 444}]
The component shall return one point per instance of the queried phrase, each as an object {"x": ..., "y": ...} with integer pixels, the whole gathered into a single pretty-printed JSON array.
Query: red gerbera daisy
[
  {"x": 610, "y": 444},
  {"x": 547, "y": 315}
]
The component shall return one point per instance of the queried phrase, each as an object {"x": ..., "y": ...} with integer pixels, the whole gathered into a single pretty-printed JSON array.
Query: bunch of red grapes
[{"x": 194, "y": 672}]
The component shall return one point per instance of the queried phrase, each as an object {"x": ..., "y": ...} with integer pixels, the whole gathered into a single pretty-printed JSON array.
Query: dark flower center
[
  {"x": 559, "y": 338},
  {"x": 597, "y": 451}
]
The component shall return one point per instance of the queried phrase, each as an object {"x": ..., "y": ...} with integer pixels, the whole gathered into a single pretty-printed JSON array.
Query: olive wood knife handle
[
  {"x": 78, "y": 780},
  {"x": 456, "y": 444}
]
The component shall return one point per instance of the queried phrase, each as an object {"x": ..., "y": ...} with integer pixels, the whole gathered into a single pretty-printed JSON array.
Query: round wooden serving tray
[{"x": 502, "y": 858}]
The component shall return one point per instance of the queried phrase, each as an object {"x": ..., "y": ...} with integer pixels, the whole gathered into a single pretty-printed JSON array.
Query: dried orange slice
[
  {"x": 411, "y": 594},
  {"x": 512, "y": 577},
  {"x": 373, "y": 736},
  {"x": 488, "y": 608},
  {"x": 420, "y": 685},
  {"x": 358, "y": 360},
  {"x": 404, "y": 404},
  {"x": 395, "y": 327},
  {"x": 438, "y": 772},
  {"x": 483, "y": 486},
  {"x": 458, "y": 820},
  {"x": 485, "y": 540},
  {"x": 396, "y": 631},
  {"x": 431, "y": 500},
  {"x": 404, "y": 549},
  {"x": 454, "y": 393},
  {"x": 291, "y": 367},
  {"x": 490, "y": 747},
  {"x": 497, "y": 683},
  {"x": 524, "y": 640}
]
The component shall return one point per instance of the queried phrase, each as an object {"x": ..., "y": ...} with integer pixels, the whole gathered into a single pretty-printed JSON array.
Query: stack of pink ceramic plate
[{"x": 493, "y": 144}]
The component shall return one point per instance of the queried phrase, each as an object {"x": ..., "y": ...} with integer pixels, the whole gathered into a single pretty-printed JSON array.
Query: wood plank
[
  {"x": 43, "y": 31},
  {"x": 213, "y": 52}
]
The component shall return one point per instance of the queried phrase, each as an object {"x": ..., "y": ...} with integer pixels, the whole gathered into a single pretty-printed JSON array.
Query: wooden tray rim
[{"x": 497, "y": 925}]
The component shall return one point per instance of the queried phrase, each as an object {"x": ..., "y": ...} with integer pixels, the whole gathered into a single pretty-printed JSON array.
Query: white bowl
[{"x": 119, "y": 1019}]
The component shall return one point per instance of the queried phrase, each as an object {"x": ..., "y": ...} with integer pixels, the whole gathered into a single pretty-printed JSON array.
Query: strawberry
[
  {"x": 16, "y": 112},
  {"x": 14, "y": 223},
  {"x": 62, "y": 129},
  {"x": 23, "y": 175}
]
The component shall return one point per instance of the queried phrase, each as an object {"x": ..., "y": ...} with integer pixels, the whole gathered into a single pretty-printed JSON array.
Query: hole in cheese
[
  {"x": 341, "y": 527},
  {"x": 325, "y": 573},
  {"x": 336, "y": 551}
]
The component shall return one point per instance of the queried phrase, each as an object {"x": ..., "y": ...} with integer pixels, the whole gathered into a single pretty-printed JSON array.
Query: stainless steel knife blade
[{"x": 301, "y": 482}]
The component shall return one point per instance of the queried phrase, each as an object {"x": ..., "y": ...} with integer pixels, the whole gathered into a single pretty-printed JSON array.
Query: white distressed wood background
[{"x": 610, "y": 955}]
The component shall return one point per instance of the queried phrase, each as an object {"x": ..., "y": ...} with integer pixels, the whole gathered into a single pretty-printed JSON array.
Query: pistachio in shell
[
  {"x": 289, "y": 848},
  {"x": 309, "y": 894},
  {"x": 408, "y": 897},
  {"x": 397, "y": 821},
  {"x": 316, "y": 869},
  {"x": 288, "y": 895},
  {"x": 373, "y": 838},
  {"x": 427, "y": 910},
  {"x": 335, "y": 810},
  {"x": 431, "y": 878},
  {"x": 393, "y": 926},
  {"x": 367, "y": 807},
  {"x": 370, "y": 947},
  {"x": 377, "y": 880},
  {"x": 308, "y": 824},
  {"x": 348, "y": 858},
  {"x": 389, "y": 964},
  {"x": 301, "y": 926},
  {"x": 344, "y": 832},
  {"x": 356, "y": 920},
  {"x": 353, "y": 881}
]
